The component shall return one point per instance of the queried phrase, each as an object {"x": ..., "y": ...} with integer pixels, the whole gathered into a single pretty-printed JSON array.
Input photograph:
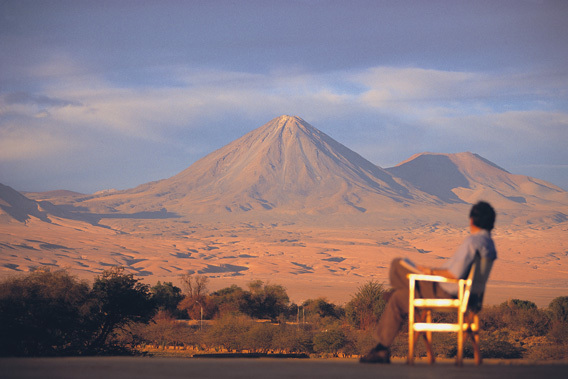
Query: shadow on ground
[{"x": 142, "y": 368}]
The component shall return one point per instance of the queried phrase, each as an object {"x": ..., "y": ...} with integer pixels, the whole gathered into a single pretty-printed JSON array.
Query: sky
[{"x": 99, "y": 95}]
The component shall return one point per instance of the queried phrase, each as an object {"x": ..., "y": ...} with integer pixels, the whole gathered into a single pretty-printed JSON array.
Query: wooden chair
[{"x": 467, "y": 306}]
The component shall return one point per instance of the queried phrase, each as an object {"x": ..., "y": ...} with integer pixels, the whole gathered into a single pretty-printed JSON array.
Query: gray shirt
[{"x": 462, "y": 259}]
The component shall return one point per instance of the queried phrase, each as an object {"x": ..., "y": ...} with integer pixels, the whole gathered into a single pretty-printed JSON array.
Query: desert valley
[{"x": 287, "y": 204}]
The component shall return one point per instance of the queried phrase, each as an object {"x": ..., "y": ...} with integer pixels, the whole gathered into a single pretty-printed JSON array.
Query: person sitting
[{"x": 482, "y": 220}]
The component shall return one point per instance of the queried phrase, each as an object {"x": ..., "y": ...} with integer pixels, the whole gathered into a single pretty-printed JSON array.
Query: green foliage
[
  {"x": 228, "y": 332},
  {"x": 266, "y": 301},
  {"x": 330, "y": 341},
  {"x": 43, "y": 313},
  {"x": 166, "y": 331},
  {"x": 321, "y": 309},
  {"x": 262, "y": 301},
  {"x": 293, "y": 339},
  {"x": 52, "y": 313},
  {"x": 166, "y": 297},
  {"x": 259, "y": 338},
  {"x": 120, "y": 299},
  {"x": 367, "y": 306},
  {"x": 523, "y": 317},
  {"x": 559, "y": 309},
  {"x": 520, "y": 304},
  {"x": 229, "y": 300},
  {"x": 494, "y": 345}
]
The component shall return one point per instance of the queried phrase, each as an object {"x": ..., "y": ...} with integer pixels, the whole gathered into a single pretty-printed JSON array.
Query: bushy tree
[
  {"x": 166, "y": 297},
  {"x": 321, "y": 309},
  {"x": 330, "y": 341},
  {"x": 229, "y": 300},
  {"x": 367, "y": 305},
  {"x": 265, "y": 301},
  {"x": 520, "y": 304},
  {"x": 120, "y": 300},
  {"x": 44, "y": 313},
  {"x": 558, "y": 308}
]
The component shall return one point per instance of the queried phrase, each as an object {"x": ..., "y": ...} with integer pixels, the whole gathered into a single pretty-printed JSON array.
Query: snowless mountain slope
[
  {"x": 467, "y": 177},
  {"x": 15, "y": 206},
  {"x": 285, "y": 165}
]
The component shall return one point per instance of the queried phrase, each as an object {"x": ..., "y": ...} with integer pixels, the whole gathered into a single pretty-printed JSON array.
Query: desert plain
[
  {"x": 309, "y": 261},
  {"x": 286, "y": 204}
]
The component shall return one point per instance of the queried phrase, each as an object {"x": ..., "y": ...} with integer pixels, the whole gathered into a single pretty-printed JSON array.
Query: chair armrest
[{"x": 431, "y": 278}]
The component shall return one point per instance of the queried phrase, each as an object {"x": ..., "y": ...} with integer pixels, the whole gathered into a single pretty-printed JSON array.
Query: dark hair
[{"x": 483, "y": 215}]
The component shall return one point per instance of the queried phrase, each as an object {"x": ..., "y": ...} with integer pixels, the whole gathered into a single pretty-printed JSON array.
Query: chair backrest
[{"x": 478, "y": 274}]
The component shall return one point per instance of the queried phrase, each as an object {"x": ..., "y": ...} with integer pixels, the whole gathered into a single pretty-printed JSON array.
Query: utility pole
[{"x": 201, "y": 322}]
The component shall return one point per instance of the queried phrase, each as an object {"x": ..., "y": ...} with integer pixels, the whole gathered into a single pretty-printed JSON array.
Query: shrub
[
  {"x": 559, "y": 309},
  {"x": 293, "y": 339},
  {"x": 366, "y": 307},
  {"x": 228, "y": 332},
  {"x": 330, "y": 341}
]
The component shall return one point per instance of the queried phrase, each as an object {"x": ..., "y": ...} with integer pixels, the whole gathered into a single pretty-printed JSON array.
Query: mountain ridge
[
  {"x": 467, "y": 177},
  {"x": 287, "y": 166}
]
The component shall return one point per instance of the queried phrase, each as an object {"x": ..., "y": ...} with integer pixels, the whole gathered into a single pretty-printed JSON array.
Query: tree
[
  {"x": 120, "y": 300},
  {"x": 367, "y": 305},
  {"x": 520, "y": 304},
  {"x": 229, "y": 300},
  {"x": 196, "y": 302},
  {"x": 166, "y": 297},
  {"x": 558, "y": 308},
  {"x": 44, "y": 313},
  {"x": 195, "y": 285},
  {"x": 320, "y": 308},
  {"x": 266, "y": 300}
]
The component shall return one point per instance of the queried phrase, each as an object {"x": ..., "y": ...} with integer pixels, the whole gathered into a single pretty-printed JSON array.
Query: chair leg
[
  {"x": 459, "y": 357},
  {"x": 411, "y": 333},
  {"x": 475, "y": 340},
  {"x": 428, "y": 338}
]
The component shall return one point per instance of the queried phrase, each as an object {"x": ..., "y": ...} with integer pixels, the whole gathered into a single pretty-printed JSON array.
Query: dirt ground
[{"x": 141, "y": 368}]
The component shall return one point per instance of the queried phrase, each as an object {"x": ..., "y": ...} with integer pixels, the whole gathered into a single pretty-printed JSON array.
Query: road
[{"x": 142, "y": 368}]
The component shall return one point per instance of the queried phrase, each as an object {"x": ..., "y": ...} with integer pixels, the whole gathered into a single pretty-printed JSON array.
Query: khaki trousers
[{"x": 397, "y": 306}]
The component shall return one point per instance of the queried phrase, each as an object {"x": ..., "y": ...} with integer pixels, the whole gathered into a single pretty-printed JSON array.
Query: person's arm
[{"x": 436, "y": 271}]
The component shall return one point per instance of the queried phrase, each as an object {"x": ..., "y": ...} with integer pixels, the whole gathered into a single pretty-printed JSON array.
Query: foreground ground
[{"x": 140, "y": 368}]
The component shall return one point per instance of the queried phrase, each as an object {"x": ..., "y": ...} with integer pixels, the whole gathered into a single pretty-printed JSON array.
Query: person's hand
[{"x": 424, "y": 269}]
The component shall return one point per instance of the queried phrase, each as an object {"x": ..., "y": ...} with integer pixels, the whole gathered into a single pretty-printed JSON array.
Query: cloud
[
  {"x": 384, "y": 113},
  {"x": 28, "y": 144},
  {"x": 39, "y": 100}
]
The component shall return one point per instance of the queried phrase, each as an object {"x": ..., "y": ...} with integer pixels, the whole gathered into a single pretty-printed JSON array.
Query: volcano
[{"x": 286, "y": 165}]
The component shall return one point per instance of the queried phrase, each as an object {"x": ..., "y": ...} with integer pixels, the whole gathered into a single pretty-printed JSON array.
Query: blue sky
[{"x": 112, "y": 94}]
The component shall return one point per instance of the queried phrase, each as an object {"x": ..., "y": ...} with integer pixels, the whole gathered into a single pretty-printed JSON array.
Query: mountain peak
[
  {"x": 468, "y": 177},
  {"x": 286, "y": 118},
  {"x": 285, "y": 164},
  {"x": 291, "y": 123}
]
